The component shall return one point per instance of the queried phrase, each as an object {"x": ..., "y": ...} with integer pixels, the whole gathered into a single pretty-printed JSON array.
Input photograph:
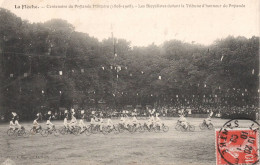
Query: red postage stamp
[{"x": 237, "y": 146}]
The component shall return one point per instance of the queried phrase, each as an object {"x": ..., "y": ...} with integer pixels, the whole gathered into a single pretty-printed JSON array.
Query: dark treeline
[{"x": 50, "y": 65}]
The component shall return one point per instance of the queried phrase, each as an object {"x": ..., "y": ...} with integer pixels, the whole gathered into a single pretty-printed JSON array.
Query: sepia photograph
[{"x": 129, "y": 82}]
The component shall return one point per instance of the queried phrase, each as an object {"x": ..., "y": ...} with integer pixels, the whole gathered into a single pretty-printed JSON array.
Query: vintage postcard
[{"x": 129, "y": 82}]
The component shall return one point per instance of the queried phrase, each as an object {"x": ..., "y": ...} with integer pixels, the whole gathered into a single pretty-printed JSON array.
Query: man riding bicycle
[
  {"x": 122, "y": 120},
  {"x": 158, "y": 121},
  {"x": 134, "y": 121},
  {"x": 183, "y": 121},
  {"x": 101, "y": 123},
  {"x": 81, "y": 122},
  {"x": 150, "y": 122},
  {"x": 36, "y": 125},
  {"x": 109, "y": 122},
  {"x": 14, "y": 124},
  {"x": 93, "y": 120},
  {"x": 73, "y": 120},
  {"x": 208, "y": 120},
  {"x": 65, "y": 121},
  {"x": 48, "y": 123}
]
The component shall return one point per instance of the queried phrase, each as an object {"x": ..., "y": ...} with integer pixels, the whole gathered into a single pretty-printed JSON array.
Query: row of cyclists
[
  {"x": 184, "y": 123},
  {"x": 97, "y": 120}
]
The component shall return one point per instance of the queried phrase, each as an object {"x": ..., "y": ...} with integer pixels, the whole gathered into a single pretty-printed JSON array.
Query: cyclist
[
  {"x": 150, "y": 121},
  {"x": 65, "y": 122},
  {"x": 48, "y": 123},
  {"x": 93, "y": 120},
  {"x": 101, "y": 123},
  {"x": 158, "y": 121},
  {"x": 134, "y": 121},
  {"x": 12, "y": 122},
  {"x": 81, "y": 122},
  {"x": 109, "y": 122},
  {"x": 12, "y": 125},
  {"x": 208, "y": 120},
  {"x": 16, "y": 121},
  {"x": 36, "y": 125},
  {"x": 73, "y": 120},
  {"x": 183, "y": 121},
  {"x": 122, "y": 120},
  {"x": 127, "y": 121}
]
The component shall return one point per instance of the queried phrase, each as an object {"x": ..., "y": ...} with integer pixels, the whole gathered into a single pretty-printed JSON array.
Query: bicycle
[
  {"x": 18, "y": 132},
  {"x": 66, "y": 130},
  {"x": 188, "y": 128},
  {"x": 85, "y": 130},
  {"x": 148, "y": 128},
  {"x": 34, "y": 130},
  {"x": 47, "y": 131},
  {"x": 203, "y": 125},
  {"x": 112, "y": 129},
  {"x": 136, "y": 128},
  {"x": 164, "y": 128},
  {"x": 94, "y": 129},
  {"x": 122, "y": 127}
]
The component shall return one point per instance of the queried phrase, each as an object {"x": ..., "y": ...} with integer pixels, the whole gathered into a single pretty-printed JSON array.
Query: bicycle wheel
[
  {"x": 16, "y": 133},
  {"x": 192, "y": 128},
  {"x": 131, "y": 129},
  {"x": 109, "y": 129},
  {"x": 104, "y": 130},
  {"x": 165, "y": 128},
  {"x": 115, "y": 130},
  {"x": 140, "y": 129},
  {"x": 183, "y": 129},
  {"x": 202, "y": 126},
  {"x": 44, "y": 132},
  {"x": 157, "y": 129},
  {"x": 178, "y": 127},
  {"x": 20, "y": 133},
  {"x": 210, "y": 126},
  {"x": 63, "y": 130},
  {"x": 151, "y": 129},
  {"x": 145, "y": 128},
  {"x": 120, "y": 129},
  {"x": 95, "y": 130},
  {"x": 56, "y": 132},
  {"x": 76, "y": 130},
  {"x": 10, "y": 132},
  {"x": 25, "y": 133},
  {"x": 32, "y": 131},
  {"x": 88, "y": 131}
]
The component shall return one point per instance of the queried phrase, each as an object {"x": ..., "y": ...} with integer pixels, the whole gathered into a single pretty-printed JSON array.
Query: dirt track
[{"x": 173, "y": 147}]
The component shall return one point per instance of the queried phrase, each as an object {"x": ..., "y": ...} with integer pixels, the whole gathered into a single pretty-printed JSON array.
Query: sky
[{"x": 144, "y": 26}]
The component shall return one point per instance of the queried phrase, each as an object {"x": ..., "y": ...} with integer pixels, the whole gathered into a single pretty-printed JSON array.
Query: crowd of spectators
[
  {"x": 227, "y": 112},
  {"x": 171, "y": 111}
]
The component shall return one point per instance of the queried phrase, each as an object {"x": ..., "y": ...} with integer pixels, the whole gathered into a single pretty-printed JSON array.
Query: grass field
[{"x": 146, "y": 148}]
